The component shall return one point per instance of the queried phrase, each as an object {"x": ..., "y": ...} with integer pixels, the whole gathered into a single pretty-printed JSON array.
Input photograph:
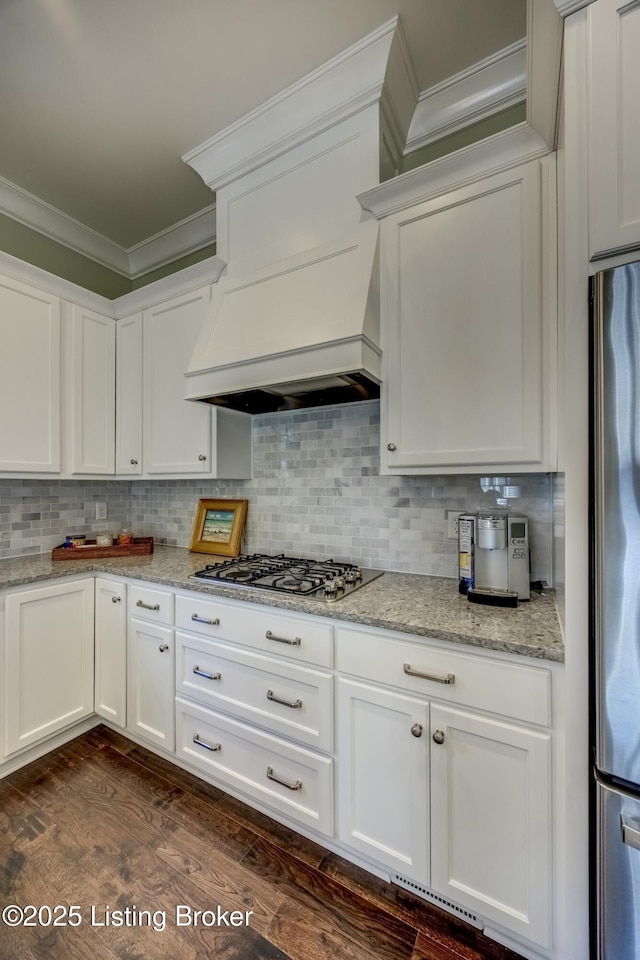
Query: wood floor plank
[
  {"x": 348, "y": 915},
  {"x": 176, "y": 775}
]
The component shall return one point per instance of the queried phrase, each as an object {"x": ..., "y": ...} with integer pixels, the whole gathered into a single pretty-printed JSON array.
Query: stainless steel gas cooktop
[{"x": 316, "y": 579}]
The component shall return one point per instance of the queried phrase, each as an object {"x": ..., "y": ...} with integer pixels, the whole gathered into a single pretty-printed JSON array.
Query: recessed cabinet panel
[
  {"x": 614, "y": 126},
  {"x": 48, "y": 667},
  {"x": 177, "y": 432},
  {"x": 463, "y": 334},
  {"x": 150, "y": 683},
  {"x": 383, "y": 749},
  {"x": 490, "y": 808},
  {"x": 111, "y": 651},
  {"x": 29, "y": 379},
  {"x": 129, "y": 396},
  {"x": 90, "y": 383}
]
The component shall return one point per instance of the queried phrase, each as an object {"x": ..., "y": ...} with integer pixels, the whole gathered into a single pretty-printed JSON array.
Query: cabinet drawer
[
  {"x": 151, "y": 604},
  {"x": 288, "y": 699},
  {"x": 288, "y": 779},
  {"x": 511, "y": 689},
  {"x": 261, "y": 628}
]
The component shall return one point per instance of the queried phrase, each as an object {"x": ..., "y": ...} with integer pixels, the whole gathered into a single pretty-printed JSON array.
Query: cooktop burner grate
[{"x": 326, "y": 580}]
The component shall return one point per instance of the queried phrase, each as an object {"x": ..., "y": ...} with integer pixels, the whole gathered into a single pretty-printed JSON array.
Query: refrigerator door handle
[{"x": 630, "y": 832}]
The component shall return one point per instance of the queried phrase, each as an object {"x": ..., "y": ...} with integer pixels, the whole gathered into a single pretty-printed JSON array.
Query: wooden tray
[{"x": 91, "y": 551}]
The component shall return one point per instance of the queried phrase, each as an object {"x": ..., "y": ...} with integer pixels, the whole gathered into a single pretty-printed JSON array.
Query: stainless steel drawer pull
[
  {"x": 296, "y": 785},
  {"x": 116, "y": 599},
  {"x": 148, "y": 606},
  {"x": 286, "y": 703},
  {"x": 206, "y": 746},
  {"x": 163, "y": 647},
  {"x": 630, "y": 832},
  {"x": 208, "y": 676},
  {"x": 134, "y": 463},
  {"x": 210, "y": 623},
  {"x": 292, "y": 643},
  {"x": 448, "y": 677}
]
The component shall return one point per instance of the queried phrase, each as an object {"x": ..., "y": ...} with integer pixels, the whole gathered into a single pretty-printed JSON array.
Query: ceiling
[{"x": 102, "y": 97}]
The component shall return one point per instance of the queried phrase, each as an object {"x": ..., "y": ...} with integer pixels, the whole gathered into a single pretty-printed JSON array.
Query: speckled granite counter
[{"x": 412, "y": 604}]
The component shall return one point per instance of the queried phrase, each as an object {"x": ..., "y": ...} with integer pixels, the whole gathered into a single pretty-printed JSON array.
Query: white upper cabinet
[
  {"x": 614, "y": 126},
  {"x": 177, "y": 434},
  {"x": 182, "y": 437},
  {"x": 29, "y": 379},
  {"x": 90, "y": 379},
  {"x": 129, "y": 396},
  {"x": 468, "y": 328}
]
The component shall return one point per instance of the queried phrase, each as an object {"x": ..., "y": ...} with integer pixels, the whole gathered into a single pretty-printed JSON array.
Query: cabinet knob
[
  {"x": 202, "y": 457},
  {"x": 116, "y": 599},
  {"x": 416, "y": 730},
  {"x": 134, "y": 463},
  {"x": 163, "y": 647},
  {"x": 391, "y": 447},
  {"x": 438, "y": 737}
]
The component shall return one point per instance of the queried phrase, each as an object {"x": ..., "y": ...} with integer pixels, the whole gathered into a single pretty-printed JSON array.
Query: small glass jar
[
  {"x": 125, "y": 537},
  {"x": 104, "y": 540}
]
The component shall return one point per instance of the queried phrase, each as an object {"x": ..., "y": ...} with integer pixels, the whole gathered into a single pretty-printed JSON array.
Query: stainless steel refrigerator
[{"x": 616, "y": 610}]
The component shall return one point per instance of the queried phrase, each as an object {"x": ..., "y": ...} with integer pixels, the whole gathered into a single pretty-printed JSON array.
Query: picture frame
[{"x": 218, "y": 526}]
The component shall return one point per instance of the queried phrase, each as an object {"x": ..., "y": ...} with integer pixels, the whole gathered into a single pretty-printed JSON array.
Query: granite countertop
[{"x": 410, "y": 603}]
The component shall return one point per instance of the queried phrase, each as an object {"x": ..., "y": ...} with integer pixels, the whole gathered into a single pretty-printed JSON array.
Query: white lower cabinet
[
  {"x": 449, "y": 796},
  {"x": 48, "y": 662},
  {"x": 150, "y": 683},
  {"x": 491, "y": 819},
  {"x": 289, "y": 779},
  {"x": 383, "y": 799},
  {"x": 111, "y": 651}
]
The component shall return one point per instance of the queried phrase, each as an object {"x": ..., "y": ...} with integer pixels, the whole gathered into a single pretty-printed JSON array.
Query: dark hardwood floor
[{"x": 101, "y": 822}]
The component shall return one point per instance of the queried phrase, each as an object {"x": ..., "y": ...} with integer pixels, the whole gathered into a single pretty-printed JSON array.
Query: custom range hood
[{"x": 294, "y": 318}]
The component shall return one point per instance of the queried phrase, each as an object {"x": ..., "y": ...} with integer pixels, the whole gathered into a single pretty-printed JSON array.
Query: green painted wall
[
  {"x": 478, "y": 131},
  {"x": 29, "y": 245},
  {"x": 174, "y": 266}
]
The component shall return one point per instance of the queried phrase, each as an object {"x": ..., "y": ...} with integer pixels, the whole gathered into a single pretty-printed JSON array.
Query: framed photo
[{"x": 218, "y": 527}]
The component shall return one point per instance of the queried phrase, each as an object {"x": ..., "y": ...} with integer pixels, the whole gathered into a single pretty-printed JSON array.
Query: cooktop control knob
[
  {"x": 339, "y": 581},
  {"x": 330, "y": 587},
  {"x": 350, "y": 576}
]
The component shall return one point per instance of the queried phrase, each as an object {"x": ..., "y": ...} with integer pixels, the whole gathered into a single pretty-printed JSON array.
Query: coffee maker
[{"x": 499, "y": 547}]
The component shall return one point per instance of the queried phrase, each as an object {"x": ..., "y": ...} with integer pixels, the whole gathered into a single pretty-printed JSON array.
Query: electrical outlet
[
  {"x": 452, "y": 524},
  {"x": 101, "y": 511}
]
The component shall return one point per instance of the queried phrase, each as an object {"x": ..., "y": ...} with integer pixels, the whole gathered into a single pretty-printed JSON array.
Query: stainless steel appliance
[
  {"x": 494, "y": 554},
  {"x": 616, "y": 610},
  {"x": 313, "y": 579}
]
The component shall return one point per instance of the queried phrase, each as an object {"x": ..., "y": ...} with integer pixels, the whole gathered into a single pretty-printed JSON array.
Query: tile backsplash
[
  {"x": 316, "y": 491},
  {"x": 36, "y": 515}
]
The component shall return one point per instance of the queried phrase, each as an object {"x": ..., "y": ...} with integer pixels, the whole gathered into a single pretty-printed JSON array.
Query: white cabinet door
[
  {"x": 463, "y": 342},
  {"x": 90, "y": 378},
  {"x": 490, "y": 820},
  {"x": 129, "y": 396},
  {"x": 614, "y": 126},
  {"x": 177, "y": 432},
  {"x": 150, "y": 683},
  {"x": 383, "y": 795},
  {"x": 111, "y": 651},
  {"x": 48, "y": 668},
  {"x": 29, "y": 379}
]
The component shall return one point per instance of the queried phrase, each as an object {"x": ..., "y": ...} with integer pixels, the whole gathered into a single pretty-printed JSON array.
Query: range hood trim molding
[{"x": 341, "y": 87}]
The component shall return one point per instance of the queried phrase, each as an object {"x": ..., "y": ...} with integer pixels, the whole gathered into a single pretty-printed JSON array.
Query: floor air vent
[{"x": 438, "y": 901}]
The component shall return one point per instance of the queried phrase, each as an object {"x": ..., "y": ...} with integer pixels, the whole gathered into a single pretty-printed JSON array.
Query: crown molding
[
  {"x": 489, "y": 86},
  {"x": 502, "y": 151},
  {"x": 198, "y": 275},
  {"x": 53, "y": 285},
  {"x": 566, "y": 7},
  {"x": 32, "y": 212},
  {"x": 339, "y": 88},
  {"x": 188, "y": 235},
  {"x": 185, "y": 281},
  {"x": 178, "y": 240}
]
